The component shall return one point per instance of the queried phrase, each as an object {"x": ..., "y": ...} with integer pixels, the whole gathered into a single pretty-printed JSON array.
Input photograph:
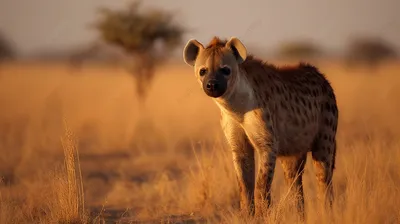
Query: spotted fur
[{"x": 279, "y": 112}]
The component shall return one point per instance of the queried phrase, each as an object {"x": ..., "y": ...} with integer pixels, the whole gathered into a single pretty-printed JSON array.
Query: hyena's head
[{"x": 217, "y": 65}]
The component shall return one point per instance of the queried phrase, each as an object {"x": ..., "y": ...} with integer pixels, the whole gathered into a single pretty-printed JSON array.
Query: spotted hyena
[{"x": 280, "y": 112}]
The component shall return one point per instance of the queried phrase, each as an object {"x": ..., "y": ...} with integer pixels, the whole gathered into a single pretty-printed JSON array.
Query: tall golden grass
[
  {"x": 71, "y": 200},
  {"x": 169, "y": 162},
  {"x": 55, "y": 196}
]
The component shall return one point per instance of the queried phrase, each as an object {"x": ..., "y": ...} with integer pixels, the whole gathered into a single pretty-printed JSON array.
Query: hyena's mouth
[{"x": 214, "y": 88}]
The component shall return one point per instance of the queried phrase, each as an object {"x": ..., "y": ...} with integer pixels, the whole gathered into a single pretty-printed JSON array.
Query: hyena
[{"x": 279, "y": 112}]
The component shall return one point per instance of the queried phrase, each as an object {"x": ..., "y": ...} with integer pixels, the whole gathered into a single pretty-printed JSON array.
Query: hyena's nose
[{"x": 212, "y": 85}]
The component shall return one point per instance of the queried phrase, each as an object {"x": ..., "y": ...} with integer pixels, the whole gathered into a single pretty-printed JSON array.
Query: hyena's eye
[
  {"x": 225, "y": 70},
  {"x": 202, "y": 71}
]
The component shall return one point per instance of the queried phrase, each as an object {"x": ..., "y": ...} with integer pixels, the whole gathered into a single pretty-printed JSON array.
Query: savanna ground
[{"x": 168, "y": 162}]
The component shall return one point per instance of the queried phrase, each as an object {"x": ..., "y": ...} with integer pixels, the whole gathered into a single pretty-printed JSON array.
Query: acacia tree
[
  {"x": 370, "y": 51},
  {"x": 138, "y": 32},
  {"x": 299, "y": 49}
]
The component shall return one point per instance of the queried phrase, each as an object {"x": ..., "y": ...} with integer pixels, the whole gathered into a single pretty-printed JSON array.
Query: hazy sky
[{"x": 45, "y": 24}]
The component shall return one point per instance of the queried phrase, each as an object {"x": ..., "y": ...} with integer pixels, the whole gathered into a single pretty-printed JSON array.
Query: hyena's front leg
[
  {"x": 243, "y": 159},
  {"x": 266, "y": 148}
]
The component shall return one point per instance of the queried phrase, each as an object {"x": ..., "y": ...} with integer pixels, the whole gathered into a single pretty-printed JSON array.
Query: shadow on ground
[
  {"x": 104, "y": 215},
  {"x": 145, "y": 161}
]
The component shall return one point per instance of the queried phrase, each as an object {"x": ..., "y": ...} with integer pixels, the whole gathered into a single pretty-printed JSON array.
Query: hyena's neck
[{"x": 240, "y": 100}]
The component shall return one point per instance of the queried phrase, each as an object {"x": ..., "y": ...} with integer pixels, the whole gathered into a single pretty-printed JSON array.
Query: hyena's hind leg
[
  {"x": 323, "y": 154},
  {"x": 293, "y": 168}
]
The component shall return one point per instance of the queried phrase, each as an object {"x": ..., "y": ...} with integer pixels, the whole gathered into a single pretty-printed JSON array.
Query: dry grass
[
  {"x": 169, "y": 162},
  {"x": 72, "y": 198},
  {"x": 54, "y": 196}
]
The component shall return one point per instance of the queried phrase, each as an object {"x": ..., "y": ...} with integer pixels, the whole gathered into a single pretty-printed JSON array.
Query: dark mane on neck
[
  {"x": 252, "y": 60},
  {"x": 266, "y": 70}
]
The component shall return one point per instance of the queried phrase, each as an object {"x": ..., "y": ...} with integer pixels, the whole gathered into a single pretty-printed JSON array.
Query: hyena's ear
[
  {"x": 238, "y": 49},
  {"x": 191, "y": 51}
]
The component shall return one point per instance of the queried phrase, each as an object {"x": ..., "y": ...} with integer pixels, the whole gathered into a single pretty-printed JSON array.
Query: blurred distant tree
[
  {"x": 370, "y": 51},
  {"x": 299, "y": 49},
  {"x": 139, "y": 33},
  {"x": 6, "y": 48},
  {"x": 96, "y": 51},
  {"x": 77, "y": 58}
]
